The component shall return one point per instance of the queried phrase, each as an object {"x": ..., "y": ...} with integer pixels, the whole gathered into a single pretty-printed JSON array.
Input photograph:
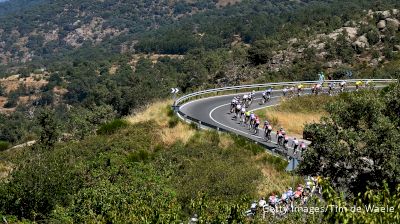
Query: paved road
[{"x": 215, "y": 111}]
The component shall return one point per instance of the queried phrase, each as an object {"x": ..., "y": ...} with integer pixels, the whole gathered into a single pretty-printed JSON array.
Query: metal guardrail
[
  {"x": 279, "y": 152},
  {"x": 185, "y": 98}
]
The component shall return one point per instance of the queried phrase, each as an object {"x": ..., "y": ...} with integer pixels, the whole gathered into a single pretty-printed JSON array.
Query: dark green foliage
[
  {"x": 49, "y": 132},
  {"x": 173, "y": 121},
  {"x": 2, "y": 90},
  {"x": 261, "y": 52},
  {"x": 358, "y": 144},
  {"x": 277, "y": 162},
  {"x": 12, "y": 100},
  {"x": 112, "y": 127},
  {"x": 4, "y": 145},
  {"x": 125, "y": 177}
]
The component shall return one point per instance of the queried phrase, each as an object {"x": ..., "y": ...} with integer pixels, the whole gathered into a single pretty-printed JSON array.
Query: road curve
[{"x": 215, "y": 111}]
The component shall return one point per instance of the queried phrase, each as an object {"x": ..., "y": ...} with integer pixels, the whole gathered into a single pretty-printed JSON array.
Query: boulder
[
  {"x": 381, "y": 25},
  {"x": 395, "y": 11},
  {"x": 393, "y": 23},
  {"x": 384, "y": 14},
  {"x": 361, "y": 42},
  {"x": 397, "y": 47}
]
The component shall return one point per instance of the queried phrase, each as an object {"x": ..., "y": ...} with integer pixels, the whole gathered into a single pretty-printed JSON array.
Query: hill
[{"x": 154, "y": 169}]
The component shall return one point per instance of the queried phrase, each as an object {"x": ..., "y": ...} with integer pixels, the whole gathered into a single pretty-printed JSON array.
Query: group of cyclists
[
  {"x": 280, "y": 204},
  {"x": 252, "y": 121}
]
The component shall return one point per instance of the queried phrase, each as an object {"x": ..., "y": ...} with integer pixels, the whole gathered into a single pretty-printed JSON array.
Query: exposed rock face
[
  {"x": 381, "y": 25},
  {"x": 393, "y": 23},
  {"x": 361, "y": 42},
  {"x": 384, "y": 14}
]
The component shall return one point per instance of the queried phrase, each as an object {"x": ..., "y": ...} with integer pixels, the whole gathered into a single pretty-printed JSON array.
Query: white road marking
[{"x": 240, "y": 131}]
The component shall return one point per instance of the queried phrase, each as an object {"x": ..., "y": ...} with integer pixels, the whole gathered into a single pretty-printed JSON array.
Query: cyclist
[
  {"x": 238, "y": 109},
  {"x": 331, "y": 88},
  {"x": 295, "y": 145},
  {"x": 318, "y": 88},
  {"x": 245, "y": 98},
  {"x": 314, "y": 89},
  {"x": 303, "y": 146},
  {"x": 250, "y": 98},
  {"x": 267, "y": 130},
  {"x": 299, "y": 89},
  {"x": 267, "y": 95},
  {"x": 279, "y": 135},
  {"x": 247, "y": 119},
  {"x": 272, "y": 200},
  {"x": 242, "y": 115},
  {"x": 234, "y": 102},
  {"x": 358, "y": 85},
  {"x": 299, "y": 192},
  {"x": 290, "y": 193},
  {"x": 285, "y": 140},
  {"x": 262, "y": 203},
  {"x": 342, "y": 85},
  {"x": 256, "y": 124},
  {"x": 285, "y": 90},
  {"x": 252, "y": 120}
]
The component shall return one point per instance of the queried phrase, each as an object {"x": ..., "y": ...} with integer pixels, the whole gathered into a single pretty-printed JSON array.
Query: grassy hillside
[
  {"x": 153, "y": 169},
  {"x": 293, "y": 114}
]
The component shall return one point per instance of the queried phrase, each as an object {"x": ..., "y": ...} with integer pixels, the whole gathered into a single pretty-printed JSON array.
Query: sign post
[{"x": 174, "y": 91}]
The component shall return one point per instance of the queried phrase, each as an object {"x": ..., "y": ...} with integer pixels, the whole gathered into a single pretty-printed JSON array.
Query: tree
[
  {"x": 2, "y": 90},
  {"x": 357, "y": 145},
  {"x": 49, "y": 129},
  {"x": 261, "y": 52}
]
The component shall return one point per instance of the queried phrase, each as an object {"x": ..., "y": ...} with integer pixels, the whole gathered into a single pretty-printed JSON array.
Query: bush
[
  {"x": 277, "y": 162},
  {"x": 173, "y": 121},
  {"x": 112, "y": 127},
  {"x": 139, "y": 156},
  {"x": 4, "y": 145}
]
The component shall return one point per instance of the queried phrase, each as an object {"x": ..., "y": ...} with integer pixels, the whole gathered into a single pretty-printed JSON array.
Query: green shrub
[
  {"x": 112, "y": 127},
  {"x": 4, "y": 145},
  {"x": 277, "y": 162},
  {"x": 194, "y": 126},
  {"x": 139, "y": 156},
  {"x": 173, "y": 121},
  {"x": 170, "y": 111}
]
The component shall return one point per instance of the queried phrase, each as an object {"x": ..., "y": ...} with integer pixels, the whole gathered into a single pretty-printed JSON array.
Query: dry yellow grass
[
  {"x": 225, "y": 141},
  {"x": 273, "y": 180},
  {"x": 158, "y": 112},
  {"x": 5, "y": 169},
  {"x": 292, "y": 122}
]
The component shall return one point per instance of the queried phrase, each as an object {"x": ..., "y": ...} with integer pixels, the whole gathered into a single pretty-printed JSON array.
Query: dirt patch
[
  {"x": 5, "y": 169},
  {"x": 34, "y": 81},
  {"x": 223, "y": 3}
]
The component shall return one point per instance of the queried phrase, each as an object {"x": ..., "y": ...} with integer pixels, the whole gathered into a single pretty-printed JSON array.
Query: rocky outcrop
[
  {"x": 393, "y": 23},
  {"x": 361, "y": 42},
  {"x": 381, "y": 25}
]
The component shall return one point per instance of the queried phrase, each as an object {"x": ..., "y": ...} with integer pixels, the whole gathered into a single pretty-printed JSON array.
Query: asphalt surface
[{"x": 215, "y": 111}]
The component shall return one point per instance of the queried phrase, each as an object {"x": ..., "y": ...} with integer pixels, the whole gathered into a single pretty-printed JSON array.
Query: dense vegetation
[
  {"x": 128, "y": 174},
  {"x": 356, "y": 146},
  {"x": 96, "y": 58}
]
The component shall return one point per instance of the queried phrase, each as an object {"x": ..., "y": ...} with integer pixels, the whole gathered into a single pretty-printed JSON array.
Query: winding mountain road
[{"x": 215, "y": 111}]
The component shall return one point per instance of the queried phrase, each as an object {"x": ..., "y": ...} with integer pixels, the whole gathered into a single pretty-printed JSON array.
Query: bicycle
[
  {"x": 265, "y": 99},
  {"x": 267, "y": 136}
]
